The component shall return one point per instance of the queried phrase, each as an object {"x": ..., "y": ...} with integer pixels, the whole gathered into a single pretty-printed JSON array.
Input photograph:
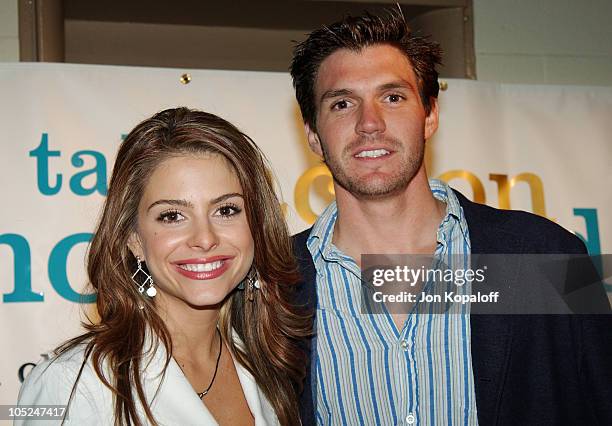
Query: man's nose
[{"x": 371, "y": 120}]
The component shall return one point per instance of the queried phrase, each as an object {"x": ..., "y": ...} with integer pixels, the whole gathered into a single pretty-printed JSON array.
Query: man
[{"x": 367, "y": 89}]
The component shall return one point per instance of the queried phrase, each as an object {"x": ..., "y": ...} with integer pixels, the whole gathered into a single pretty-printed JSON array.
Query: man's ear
[
  {"x": 135, "y": 246},
  {"x": 431, "y": 121},
  {"x": 313, "y": 140}
]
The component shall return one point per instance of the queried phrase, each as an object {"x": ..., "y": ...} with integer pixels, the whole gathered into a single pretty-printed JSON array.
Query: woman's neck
[{"x": 193, "y": 331}]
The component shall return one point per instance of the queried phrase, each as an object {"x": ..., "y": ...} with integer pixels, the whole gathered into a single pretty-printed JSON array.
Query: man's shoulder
[
  {"x": 305, "y": 294},
  {"x": 535, "y": 231},
  {"x": 303, "y": 256},
  {"x": 515, "y": 221},
  {"x": 300, "y": 239}
]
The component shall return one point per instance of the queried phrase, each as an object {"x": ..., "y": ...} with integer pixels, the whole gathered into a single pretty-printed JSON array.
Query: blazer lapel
[
  {"x": 176, "y": 402},
  {"x": 306, "y": 297},
  {"x": 491, "y": 335},
  {"x": 262, "y": 410}
]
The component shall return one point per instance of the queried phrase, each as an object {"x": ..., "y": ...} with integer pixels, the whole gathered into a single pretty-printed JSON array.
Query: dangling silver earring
[
  {"x": 253, "y": 283},
  {"x": 151, "y": 291}
]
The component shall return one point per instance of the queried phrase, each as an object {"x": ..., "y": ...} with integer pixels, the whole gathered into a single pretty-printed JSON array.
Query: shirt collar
[
  {"x": 320, "y": 238},
  {"x": 454, "y": 211}
]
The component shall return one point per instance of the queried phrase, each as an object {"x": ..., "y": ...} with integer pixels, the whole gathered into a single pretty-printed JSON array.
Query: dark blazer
[{"x": 528, "y": 369}]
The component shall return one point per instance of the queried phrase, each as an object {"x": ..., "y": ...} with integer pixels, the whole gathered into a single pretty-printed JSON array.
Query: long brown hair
[{"x": 268, "y": 325}]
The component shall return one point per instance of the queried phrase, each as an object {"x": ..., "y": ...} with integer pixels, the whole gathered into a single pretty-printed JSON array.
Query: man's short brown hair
[{"x": 356, "y": 33}]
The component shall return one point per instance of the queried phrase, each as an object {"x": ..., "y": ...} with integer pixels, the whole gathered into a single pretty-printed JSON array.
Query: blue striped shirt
[{"x": 367, "y": 371}]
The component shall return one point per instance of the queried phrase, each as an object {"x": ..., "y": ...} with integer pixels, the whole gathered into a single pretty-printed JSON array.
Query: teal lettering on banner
[
  {"x": 42, "y": 155},
  {"x": 592, "y": 240},
  {"x": 99, "y": 170},
  {"x": 57, "y": 268},
  {"x": 22, "y": 291}
]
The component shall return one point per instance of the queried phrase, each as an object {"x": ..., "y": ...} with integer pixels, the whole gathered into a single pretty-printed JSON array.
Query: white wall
[
  {"x": 9, "y": 31},
  {"x": 544, "y": 41},
  {"x": 516, "y": 41}
]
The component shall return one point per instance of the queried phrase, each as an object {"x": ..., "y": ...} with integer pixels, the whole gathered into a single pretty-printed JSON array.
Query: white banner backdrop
[{"x": 545, "y": 149}]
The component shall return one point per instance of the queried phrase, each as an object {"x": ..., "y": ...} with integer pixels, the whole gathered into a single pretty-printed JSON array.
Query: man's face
[{"x": 371, "y": 124}]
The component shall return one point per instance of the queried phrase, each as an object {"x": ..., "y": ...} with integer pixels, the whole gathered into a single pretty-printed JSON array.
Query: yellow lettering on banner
[
  {"x": 537, "y": 191},
  {"x": 503, "y": 190},
  {"x": 504, "y": 185},
  {"x": 472, "y": 179},
  {"x": 536, "y": 188},
  {"x": 302, "y": 191}
]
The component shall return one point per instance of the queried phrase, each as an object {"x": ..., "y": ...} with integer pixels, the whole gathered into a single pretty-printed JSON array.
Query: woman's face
[{"x": 193, "y": 231}]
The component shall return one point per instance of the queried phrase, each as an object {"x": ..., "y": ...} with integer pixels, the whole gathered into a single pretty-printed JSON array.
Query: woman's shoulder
[
  {"x": 53, "y": 371},
  {"x": 54, "y": 382},
  {"x": 67, "y": 360}
]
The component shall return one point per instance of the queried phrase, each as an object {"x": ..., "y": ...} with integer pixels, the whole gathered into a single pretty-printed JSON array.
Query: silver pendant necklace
[{"x": 205, "y": 391}]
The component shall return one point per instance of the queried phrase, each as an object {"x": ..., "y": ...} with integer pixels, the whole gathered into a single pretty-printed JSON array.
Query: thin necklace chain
[{"x": 205, "y": 391}]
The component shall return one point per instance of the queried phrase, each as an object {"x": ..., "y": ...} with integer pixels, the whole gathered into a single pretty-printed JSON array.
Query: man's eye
[
  {"x": 170, "y": 216},
  {"x": 228, "y": 210},
  {"x": 394, "y": 98},
  {"x": 340, "y": 105}
]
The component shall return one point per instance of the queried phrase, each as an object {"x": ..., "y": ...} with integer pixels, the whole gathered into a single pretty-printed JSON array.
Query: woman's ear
[{"x": 135, "y": 246}]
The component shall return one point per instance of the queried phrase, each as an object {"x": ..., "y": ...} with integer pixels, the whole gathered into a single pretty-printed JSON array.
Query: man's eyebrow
[
  {"x": 330, "y": 94},
  {"x": 335, "y": 93},
  {"x": 394, "y": 85}
]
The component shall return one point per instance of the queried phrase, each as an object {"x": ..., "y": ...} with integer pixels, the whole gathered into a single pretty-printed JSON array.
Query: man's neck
[{"x": 402, "y": 223}]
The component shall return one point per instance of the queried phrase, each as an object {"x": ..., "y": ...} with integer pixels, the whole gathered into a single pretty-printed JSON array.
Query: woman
[{"x": 193, "y": 267}]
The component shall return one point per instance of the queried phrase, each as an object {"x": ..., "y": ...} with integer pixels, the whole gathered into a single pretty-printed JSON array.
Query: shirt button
[
  {"x": 410, "y": 419},
  {"x": 404, "y": 345}
]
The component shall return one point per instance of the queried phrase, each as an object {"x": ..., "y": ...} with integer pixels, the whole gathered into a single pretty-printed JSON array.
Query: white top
[{"x": 51, "y": 382}]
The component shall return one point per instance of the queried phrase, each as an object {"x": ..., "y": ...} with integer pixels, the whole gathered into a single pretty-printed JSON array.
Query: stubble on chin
[{"x": 374, "y": 186}]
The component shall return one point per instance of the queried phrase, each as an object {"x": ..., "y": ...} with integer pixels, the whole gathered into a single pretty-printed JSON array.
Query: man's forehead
[{"x": 370, "y": 65}]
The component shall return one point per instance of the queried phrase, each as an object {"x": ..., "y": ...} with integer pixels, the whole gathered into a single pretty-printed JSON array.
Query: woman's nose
[{"x": 203, "y": 236}]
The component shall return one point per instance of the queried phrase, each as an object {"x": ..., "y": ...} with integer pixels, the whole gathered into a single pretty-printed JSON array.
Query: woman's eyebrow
[
  {"x": 188, "y": 204},
  {"x": 225, "y": 197},
  {"x": 180, "y": 203}
]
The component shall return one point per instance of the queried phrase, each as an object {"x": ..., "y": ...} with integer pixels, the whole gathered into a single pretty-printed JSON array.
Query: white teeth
[
  {"x": 201, "y": 267},
  {"x": 372, "y": 154}
]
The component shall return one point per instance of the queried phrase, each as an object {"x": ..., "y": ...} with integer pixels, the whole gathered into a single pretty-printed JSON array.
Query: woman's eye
[
  {"x": 228, "y": 210},
  {"x": 171, "y": 216}
]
